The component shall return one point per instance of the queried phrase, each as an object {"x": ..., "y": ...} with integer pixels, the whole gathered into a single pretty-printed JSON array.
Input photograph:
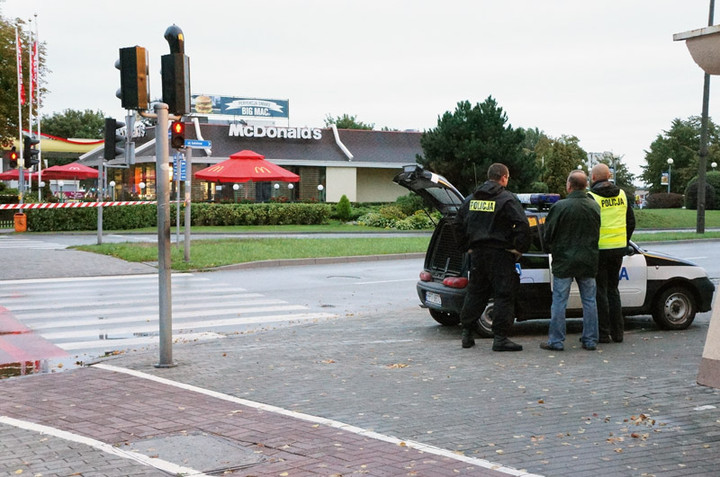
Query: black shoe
[
  {"x": 467, "y": 339},
  {"x": 589, "y": 347},
  {"x": 546, "y": 346},
  {"x": 504, "y": 344},
  {"x": 617, "y": 338},
  {"x": 604, "y": 339}
]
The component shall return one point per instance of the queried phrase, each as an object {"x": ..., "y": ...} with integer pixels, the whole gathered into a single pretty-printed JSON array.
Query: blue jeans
[{"x": 560, "y": 295}]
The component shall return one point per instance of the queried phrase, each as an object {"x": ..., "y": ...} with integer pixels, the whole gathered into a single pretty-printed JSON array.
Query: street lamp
[
  {"x": 60, "y": 186},
  {"x": 670, "y": 163},
  {"x": 713, "y": 165},
  {"x": 112, "y": 187},
  {"x": 320, "y": 189},
  {"x": 142, "y": 189}
]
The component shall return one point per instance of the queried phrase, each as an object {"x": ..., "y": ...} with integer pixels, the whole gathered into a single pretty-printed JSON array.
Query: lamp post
[
  {"x": 670, "y": 163},
  {"x": 142, "y": 189},
  {"x": 60, "y": 186},
  {"x": 713, "y": 165},
  {"x": 112, "y": 187},
  {"x": 320, "y": 189}
]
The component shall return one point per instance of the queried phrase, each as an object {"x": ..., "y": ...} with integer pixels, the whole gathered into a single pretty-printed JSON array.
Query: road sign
[
  {"x": 179, "y": 158},
  {"x": 198, "y": 144}
]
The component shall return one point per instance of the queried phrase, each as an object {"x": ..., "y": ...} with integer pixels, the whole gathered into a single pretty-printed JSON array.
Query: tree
[
  {"x": 8, "y": 77},
  {"x": 560, "y": 157},
  {"x": 347, "y": 122},
  {"x": 71, "y": 123},
  {"x": 681, "y": 143},
  {"x": 466, "y": 142}
]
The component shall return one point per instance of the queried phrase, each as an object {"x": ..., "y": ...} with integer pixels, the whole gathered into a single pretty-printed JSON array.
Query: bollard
[{"x": 709, "y": 372}]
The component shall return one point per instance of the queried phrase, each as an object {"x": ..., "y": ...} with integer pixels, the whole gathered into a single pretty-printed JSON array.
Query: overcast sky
[{"x": 605, "y": 71}]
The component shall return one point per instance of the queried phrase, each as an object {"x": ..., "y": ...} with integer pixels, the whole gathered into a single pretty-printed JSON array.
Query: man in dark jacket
[
  {"x": 572, "y": 230},
  {"x": 618, "y": 224},
  {"x": 492, "y": 226}
]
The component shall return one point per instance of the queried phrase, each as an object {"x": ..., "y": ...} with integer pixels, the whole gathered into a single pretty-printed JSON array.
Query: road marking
[
  {"x": 388, "y": 281},
  {"x": 419, "y": 446},
  {"x": 155, "y": 462}
]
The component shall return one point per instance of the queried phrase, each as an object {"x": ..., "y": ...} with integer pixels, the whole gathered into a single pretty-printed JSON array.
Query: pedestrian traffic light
[
  {"x": 176, "y": 73},
  {"x": 13, "y": 157},
  {"x": 30, "y": 154},
  {"x": 113, "y": 140},
  {"x": 134, "y": 92},
  {"x": 177, "y": 134}
]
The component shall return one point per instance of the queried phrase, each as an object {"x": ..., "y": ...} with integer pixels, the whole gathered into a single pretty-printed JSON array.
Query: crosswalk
[
  {"x": 9, "y": 242},
  {"x": 101, "y": 315}
]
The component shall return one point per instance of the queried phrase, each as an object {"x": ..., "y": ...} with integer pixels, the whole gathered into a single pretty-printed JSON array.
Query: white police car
[{"x": 670, "y": 289}]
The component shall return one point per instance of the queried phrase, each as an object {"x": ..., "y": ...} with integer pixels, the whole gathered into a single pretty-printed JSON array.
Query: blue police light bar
[{"x": 538, "y": 199}]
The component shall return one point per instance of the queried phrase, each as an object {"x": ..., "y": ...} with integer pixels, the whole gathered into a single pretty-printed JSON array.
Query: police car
[{"x": 670, "y": 289}]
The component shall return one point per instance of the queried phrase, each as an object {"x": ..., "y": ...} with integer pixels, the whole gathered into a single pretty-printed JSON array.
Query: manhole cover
[{"x": 203, "y": 452}]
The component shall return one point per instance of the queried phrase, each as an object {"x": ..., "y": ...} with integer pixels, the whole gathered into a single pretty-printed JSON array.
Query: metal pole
[
  {"x": 188, "y": 200},
  {"x": 702, "y": 160},
  {"x": 101, "y": 173},
  {"x": 162, "y": 186}
]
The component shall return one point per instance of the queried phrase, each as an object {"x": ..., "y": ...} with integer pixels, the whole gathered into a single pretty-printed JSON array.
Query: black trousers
[
  {"x": 492, "y": 275},
  {"x": 610, "y": 318}
]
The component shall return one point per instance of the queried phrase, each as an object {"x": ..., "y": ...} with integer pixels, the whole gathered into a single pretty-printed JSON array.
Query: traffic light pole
[
  {"x": 163, "y": 221},
  {"x": 101, "y": 198},
  {"x": 188, "y": 196}
]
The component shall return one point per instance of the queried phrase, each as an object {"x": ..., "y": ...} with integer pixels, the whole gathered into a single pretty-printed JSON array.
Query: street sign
[
  {"x": 198, "y": 144},
  {"x": 179, "y": 158}
]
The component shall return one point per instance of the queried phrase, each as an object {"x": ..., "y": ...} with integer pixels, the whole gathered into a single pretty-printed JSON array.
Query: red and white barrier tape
[{"x": 73, "y": 205}]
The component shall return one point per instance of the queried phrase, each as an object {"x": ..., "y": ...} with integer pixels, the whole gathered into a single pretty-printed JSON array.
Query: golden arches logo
[
  {"x": 261, "y": 170},
  {"x": 216, "y": 168}
]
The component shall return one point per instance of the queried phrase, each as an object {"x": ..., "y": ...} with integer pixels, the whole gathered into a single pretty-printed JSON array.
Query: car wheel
[
  {"x": 445, "y": 318},
  {"x": 484, "y": 323},
  {"x": 674, "y": 309}
]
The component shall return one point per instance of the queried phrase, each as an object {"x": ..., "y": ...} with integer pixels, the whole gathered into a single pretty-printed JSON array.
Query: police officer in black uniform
[{"x": 492, "y": 226}]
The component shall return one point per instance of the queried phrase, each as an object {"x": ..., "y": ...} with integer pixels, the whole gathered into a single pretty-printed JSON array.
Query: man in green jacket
[{"x": 572, "y": 231}]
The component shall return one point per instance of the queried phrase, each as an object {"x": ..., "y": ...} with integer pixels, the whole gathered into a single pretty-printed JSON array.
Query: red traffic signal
[
  {"x": 177, "y": 134},
  {"x": 13, "y": 156}
]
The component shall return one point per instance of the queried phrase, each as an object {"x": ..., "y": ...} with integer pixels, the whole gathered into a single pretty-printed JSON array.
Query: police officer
[
  {"x": 492, "y": 226},
  {"x": 617, "y": 223}
]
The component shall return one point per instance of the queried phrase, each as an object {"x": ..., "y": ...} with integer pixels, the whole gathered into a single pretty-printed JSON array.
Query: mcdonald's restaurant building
[{"x": 330, "y": 162}]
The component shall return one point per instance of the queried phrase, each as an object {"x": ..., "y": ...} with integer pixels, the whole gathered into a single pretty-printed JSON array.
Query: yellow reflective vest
[{"x": 613, "y": 220}]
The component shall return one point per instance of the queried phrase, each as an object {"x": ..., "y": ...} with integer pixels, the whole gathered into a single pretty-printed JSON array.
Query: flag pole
[
  {"x": 36, "y": 77},
  {"x": 31, "y": 93},
  {"x": 21, "y": 98}
]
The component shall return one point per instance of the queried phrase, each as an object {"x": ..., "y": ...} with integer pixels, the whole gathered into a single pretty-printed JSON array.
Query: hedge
[{"x": 138, "y": 216}]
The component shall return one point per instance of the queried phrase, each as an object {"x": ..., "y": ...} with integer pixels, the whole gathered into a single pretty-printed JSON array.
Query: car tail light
[
  {"x": 455, "y": 282},
  {"x": 425, "y": 276}
]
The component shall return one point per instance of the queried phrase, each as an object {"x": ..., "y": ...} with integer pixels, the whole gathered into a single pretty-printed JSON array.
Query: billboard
[{"x": 233, "y": 107}]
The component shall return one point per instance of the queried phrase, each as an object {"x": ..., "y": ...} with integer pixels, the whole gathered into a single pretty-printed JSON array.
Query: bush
[
  {"x": 691, "y": 196},
  {"x": 392, "y": 212},
  {"x": 663, "y": 200},
  {"x": 410, "y": 203},
  {"x": 418, "y": 221},
  {"x": 138, "y": 216},
  {"x": 713, "y": 179},
  {"x": 343, "y": 209}
]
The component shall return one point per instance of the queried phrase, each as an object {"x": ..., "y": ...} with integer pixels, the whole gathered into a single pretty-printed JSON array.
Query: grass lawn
[{"x": 207, "y": 254}]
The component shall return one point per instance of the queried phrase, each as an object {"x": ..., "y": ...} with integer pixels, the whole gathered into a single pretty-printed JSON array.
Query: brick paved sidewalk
[{"x": 139, "y": 417}]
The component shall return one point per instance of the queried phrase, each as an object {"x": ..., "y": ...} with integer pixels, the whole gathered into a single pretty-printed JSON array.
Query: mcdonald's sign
[
  {"x": 261, "y": 170},
  {"x": 217, "y": 168}
]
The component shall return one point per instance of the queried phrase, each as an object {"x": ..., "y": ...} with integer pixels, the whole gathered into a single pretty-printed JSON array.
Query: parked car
[{"x": 670, "y": 289}]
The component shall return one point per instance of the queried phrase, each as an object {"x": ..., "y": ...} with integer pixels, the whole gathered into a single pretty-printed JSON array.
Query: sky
[{"x": 607, "y": 72}]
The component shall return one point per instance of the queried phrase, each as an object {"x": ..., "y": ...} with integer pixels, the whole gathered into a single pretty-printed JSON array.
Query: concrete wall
[
  {"x": 376, "y": 185},
  {"x": 341, "y": 180}
]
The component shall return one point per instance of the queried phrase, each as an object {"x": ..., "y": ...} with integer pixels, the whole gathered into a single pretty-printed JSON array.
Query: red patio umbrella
[
  {"x": 12, "y": 175},
  {"x": 74, "y": 170},
  {"x": 246, "y": 166}
]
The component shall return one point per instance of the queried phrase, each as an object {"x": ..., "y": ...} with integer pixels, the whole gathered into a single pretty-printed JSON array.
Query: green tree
[
  {"x": 347, "y": 122},
  {"x": 681, "y": 143},
  {"x": 466, "y": 142},
  {"x": 8, "y": 76},
  {"x": 560, "y": 157},
  {"x": 71, "y": 123}
]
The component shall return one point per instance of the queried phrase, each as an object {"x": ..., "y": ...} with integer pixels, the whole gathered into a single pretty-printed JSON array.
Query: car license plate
[{"x": 433, "y": 298}]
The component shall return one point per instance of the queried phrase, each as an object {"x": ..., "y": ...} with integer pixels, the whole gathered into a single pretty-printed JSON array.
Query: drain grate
[{"x": 204, "y": 452}]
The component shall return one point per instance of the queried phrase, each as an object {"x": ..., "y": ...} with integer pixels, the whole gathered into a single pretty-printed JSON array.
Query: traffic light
[
  {"x": 134, "y": 92},
  {"x": 13, "y": 156},
  {"x": 176, "y": 73},
  {"x": 177, "y": 134},
  {"x": 30, "y": 154},
  {"x": 113, "y": 140}
]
